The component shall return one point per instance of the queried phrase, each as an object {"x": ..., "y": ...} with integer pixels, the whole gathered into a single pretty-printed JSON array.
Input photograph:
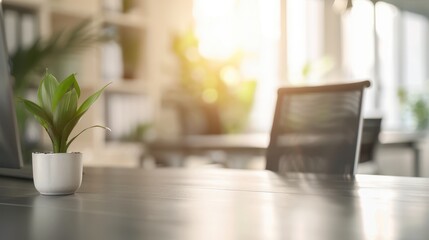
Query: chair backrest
[
  {"x": 316, "y": 129},
  {"x": 370, "y": 130}
]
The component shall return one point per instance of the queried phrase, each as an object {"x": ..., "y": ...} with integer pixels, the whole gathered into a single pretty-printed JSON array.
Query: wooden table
[{"x": 218, "y": 204}]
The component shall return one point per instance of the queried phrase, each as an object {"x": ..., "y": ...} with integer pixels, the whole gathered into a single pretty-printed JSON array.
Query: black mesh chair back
[
  {"x": 369, "y": 140},
  {"x": 316, "y": 129}
]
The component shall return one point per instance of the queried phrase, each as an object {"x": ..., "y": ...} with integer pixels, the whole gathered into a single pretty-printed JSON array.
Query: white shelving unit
[{"x": 56, "y": 15}]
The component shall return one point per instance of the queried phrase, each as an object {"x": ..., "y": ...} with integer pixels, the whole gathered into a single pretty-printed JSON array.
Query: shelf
[
  {"x": 129, "y": 100},
  {"x": 25, "y": 3},
  {"x": 136, "y": 146},
  {"x": 71, "y": 11},
  {"x": 131, "y": 20}
]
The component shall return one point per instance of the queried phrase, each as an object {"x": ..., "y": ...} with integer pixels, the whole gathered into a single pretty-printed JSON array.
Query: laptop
[{"x": 10, "y": 149}]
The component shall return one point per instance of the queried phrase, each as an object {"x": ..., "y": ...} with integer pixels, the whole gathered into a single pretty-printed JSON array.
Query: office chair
[
  {"x": 316, "y": 129},
  {"x": 370, "y": 130}
]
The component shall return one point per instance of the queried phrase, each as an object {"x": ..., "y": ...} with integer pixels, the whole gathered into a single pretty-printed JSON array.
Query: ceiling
[{"x": 416, "y": 6}]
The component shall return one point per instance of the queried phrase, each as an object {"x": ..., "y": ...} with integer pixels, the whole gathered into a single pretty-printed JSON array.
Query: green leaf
[
  {"x": 95, "y": 126},
  {"x": 90, "y": 100},
  {"x": 46, "y": 92},
  {"x": 66, "y": 109},
  {"x": 43, "y": 118},
  {"x": 63, "y": 88},
  {"x": 79, "y": 113},
  {"x": 39, "y": 90},
  {"x": 69, "y": 128},
  {"x": 37, "y": 111}
]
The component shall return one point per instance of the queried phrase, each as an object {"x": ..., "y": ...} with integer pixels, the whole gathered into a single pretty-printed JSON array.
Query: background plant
[
  {"x": 139, "y": 133},
  {"x": 32, "y": 60},
  {"x": 217, "y": 85},
  {"x": 57, "y": 109},
  {"x": 418, "y": 105}
]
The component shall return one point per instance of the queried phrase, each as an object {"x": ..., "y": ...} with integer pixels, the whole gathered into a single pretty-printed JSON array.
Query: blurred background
[{"x": 187, "y": 70}]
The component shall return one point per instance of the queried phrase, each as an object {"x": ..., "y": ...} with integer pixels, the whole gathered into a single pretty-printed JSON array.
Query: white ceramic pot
[{"x": 57, "y": 173}]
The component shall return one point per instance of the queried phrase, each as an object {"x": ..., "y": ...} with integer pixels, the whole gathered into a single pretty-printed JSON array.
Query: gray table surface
[{"x": 218, "y": 204}]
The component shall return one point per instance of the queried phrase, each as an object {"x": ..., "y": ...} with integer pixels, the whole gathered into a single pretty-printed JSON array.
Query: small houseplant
[
  {"x": 28, "y": 62},
  {"x": 57, "y": 111}
]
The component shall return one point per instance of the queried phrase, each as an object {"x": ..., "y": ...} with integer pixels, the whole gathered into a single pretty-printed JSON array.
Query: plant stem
[{"x": 56, "y": 148}]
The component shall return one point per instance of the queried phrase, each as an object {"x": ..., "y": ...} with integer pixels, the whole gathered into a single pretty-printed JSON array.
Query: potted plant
[
  {"x": 28, "y": 62},
  {"x": 57, "y": 111}
]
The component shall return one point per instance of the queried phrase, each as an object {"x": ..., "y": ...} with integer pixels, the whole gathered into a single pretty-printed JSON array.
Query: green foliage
[
  {"x": 57, "y": 109},
  {"x": 317, "y": 68},
  {"x": 418, "y": 105},
  {"x": 138, "y": 133},
  {"x": 420, "y": 110},
  {"x": 215, "y": 84},
  {"x": 42, "y": 52}
]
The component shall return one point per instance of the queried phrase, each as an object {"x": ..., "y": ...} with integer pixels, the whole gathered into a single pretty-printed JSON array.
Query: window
[
  {"x": 224, "y": 27},
  {"x": 358, "y": 47},
  {"x": 305, "y": 37},
  {"x": 393, "y": 56},
  {"x": 387, "y": 18}
]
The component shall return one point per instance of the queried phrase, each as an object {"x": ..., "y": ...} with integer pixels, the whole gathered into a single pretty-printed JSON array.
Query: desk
[
  {"x": 218, "y": 204},
  {"x": 256, "y": 144},
  {"x": 243, "y": 146},
  {"x": 407, "y": 139}
]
